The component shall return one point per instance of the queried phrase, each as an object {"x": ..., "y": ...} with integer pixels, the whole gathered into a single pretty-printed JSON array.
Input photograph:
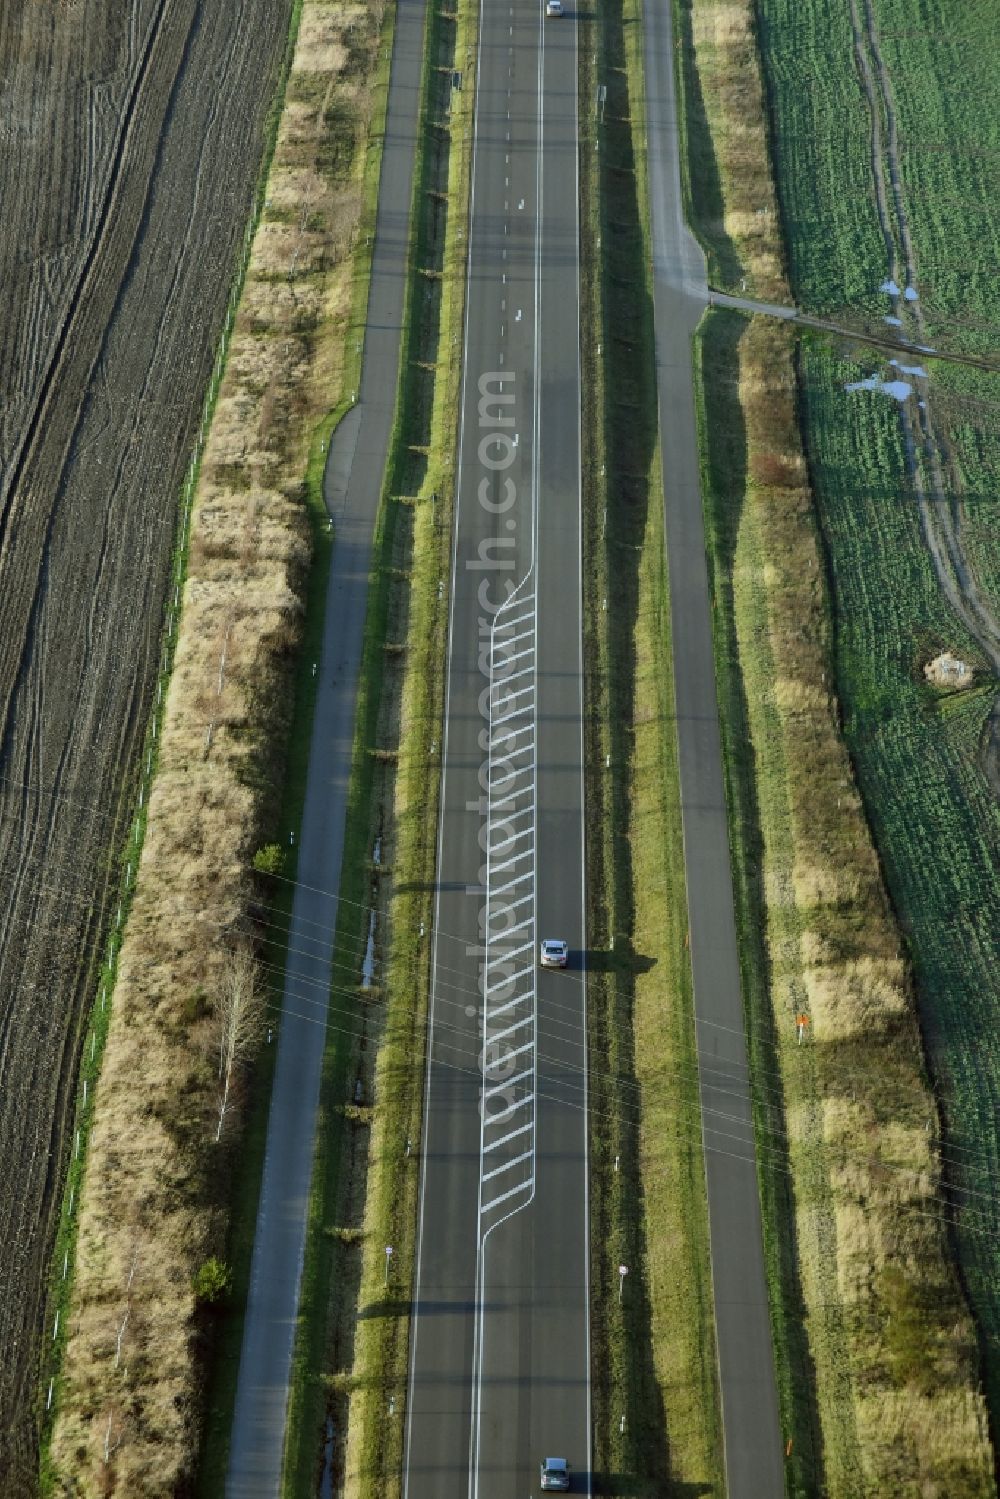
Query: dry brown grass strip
[{"x": 152, "y": 1207}]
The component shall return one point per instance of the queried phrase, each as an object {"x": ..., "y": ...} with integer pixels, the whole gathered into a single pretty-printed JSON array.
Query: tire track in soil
[
  {"x": 113, "y": 403},
  {"x": 941, "y": 509},
  {"x": 61, "y": 99},
  {"x": 91, "y": 259}
]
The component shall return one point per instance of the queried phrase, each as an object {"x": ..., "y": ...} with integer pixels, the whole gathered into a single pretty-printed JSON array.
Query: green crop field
[
  {"x": 885, "y": 120},
  {"x": 917, "y": 751},
  {"x": 941, "y": 58},
  {"x": 966, "y": 404},
  {"x": 936, "y": 92},
  {"x": 821, "y": 148}
]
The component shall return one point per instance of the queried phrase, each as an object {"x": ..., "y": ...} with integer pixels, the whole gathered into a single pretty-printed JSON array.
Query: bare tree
[
  {"x": 114, "y": 1433},
  {"x": 123, "y": 1324},
  {"x": 240, "y": 1010}
]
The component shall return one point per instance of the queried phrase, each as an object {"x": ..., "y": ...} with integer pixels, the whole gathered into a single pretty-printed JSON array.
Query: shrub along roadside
[
  {"x": 156, "y": 1189},
  {"x": 347, "y": 1369},
  {"x": 653, "y": 1356}
]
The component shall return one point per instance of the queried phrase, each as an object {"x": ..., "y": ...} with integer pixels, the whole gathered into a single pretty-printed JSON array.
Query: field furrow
[{"x": 140, "y": 131}]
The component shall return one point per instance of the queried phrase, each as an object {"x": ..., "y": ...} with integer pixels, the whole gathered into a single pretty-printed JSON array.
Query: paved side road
[
  {"x": 352, "y": 484},
  {"x": 751, "y": 1430}
]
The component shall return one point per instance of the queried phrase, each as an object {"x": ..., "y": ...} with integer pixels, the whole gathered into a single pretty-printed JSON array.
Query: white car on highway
[
  {"x": 554, "y": 953},
  {"x": 554, "y": 8}
]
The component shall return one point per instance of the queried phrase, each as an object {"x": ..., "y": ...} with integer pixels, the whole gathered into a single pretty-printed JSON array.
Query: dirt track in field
[{"x": 130, "y": 142}]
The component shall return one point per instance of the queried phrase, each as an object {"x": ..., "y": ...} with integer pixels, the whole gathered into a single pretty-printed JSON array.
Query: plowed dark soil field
[{"x": 131, "y": 135}]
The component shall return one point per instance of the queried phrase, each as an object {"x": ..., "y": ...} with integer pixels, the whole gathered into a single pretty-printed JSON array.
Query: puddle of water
[
  {"x": 326, "y": 1482},
  {"x": 909, "y": 369},
  {"x": 898, "y": 389},
  {"x": 368, "y": 966}
]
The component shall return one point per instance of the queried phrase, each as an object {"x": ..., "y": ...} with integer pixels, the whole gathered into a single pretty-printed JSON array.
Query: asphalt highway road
[
  {"x": 500, "y": 1336},
  {"x": 751, "y": 1429},
  {"x": 353, "y": 483}
]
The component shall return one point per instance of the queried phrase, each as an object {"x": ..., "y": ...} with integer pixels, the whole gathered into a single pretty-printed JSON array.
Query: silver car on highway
[
  {"x": 555, "y": 1473},
  {"x": 554, "y": 953}
]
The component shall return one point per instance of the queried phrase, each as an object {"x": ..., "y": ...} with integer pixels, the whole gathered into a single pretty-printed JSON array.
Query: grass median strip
[
  {"x": 656, "y": 1415},
  {"x": 348, "y": 1399}
]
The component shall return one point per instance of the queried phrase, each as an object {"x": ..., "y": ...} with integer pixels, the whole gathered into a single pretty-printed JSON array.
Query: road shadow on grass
[
  {"x": 385, "y": 1306},
  {"x": 625, "y": 1483},
  {"x": 612, "y": 960},
  {"x": 703, "y": 178}
]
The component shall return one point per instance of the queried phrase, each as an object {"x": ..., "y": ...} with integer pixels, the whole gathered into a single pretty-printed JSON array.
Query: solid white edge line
[
  {"x": 428, "y": 1055},
  {"x": 583, "y": 790},
  {"x": 476, "y": 1335}
]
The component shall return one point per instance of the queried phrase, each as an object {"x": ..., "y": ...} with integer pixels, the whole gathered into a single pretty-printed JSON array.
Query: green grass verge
[
  {"x": 653, "y": 1355},
  {"x": 339, "y": 1368}
]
